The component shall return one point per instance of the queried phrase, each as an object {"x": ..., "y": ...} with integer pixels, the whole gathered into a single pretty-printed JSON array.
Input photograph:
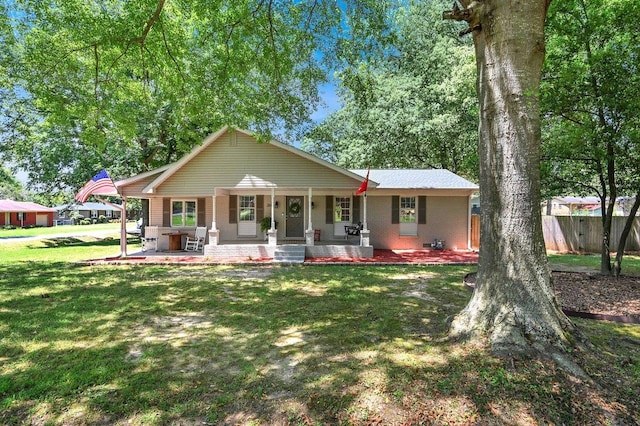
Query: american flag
[{"x": 99, "y": 184}]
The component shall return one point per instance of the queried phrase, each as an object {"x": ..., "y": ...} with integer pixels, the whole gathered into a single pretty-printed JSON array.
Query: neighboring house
[
  {"x": 22, "y": 214},
  {"x": 582, "y": 206},
  {"x": 231, "y": 182},
  {"x": 87, "y": 210}
]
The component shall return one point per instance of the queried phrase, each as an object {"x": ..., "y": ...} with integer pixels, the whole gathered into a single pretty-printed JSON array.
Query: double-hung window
[
  {"x": 408, "y": 217},
  {"x": 183, "y": 213},
  {"x": 247, "y": 215},
  {"x": 342, "y": 212}
]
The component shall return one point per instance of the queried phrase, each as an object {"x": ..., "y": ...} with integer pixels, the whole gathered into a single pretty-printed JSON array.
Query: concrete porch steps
[{"x": 289, "y": 254}]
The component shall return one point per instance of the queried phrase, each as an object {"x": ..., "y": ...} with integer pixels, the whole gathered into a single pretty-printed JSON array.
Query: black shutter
[
  {"x": 166, "y": 212},
  {"x": 395, "y": 209},
  {"x": 259, "y": 207},
  {"x": 422, "y": 209},
  {"x": 356, "y": 210},
  {"x": 329, "y": 209},
  {"x": 145, "y": 215},
  {"x": 201, "y": 206},
  {"x": 233, "y": 209}
]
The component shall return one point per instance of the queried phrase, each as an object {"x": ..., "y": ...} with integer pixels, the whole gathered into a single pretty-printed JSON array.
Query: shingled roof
[
  {"x": 22, "y": 206},
  {"x": 416, "y": 179}
]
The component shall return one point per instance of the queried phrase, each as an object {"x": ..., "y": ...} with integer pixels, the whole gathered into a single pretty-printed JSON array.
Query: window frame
[
  {"x": 339, "y": 209},
  {"x": 408, "y": 215},
  {"x": 247, "y": 203},
  {"x": 184, "y": 214}
]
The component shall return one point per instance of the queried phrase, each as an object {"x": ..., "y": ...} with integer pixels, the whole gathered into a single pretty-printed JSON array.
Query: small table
[{"x": 175, "y": 240}]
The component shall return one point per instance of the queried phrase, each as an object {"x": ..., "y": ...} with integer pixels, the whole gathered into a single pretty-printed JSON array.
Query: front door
[{"x": 295, "y": 217}]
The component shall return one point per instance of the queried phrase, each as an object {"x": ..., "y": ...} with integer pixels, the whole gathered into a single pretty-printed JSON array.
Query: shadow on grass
[
  {"x": 80, "y": 242},
  {"x": 227, "y": 345}
]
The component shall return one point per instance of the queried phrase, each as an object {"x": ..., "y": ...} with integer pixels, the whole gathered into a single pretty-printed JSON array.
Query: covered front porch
[{"x": 286, "y": 250}]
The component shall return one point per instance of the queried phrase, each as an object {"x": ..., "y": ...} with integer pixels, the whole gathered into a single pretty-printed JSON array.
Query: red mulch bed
[
  {"x": 406, "y": 256},
  {"x": 438, "y": 257}
]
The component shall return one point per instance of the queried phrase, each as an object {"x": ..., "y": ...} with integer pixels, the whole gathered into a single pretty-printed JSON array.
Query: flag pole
[
  {"x": 101, "y": 184},
  {"x": 123, "y": 222},
  {"x": 123, "y": 228}
]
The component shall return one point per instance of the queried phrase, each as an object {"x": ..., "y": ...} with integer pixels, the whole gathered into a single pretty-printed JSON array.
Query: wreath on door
[{"x": 294, "y": 208}]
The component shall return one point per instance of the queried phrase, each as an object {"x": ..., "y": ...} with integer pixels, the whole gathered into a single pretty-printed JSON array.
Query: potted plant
[{"x": 265, "y": 225}]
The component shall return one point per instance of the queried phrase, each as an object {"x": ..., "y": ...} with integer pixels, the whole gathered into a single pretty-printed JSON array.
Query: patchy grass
[
  {"x": 67, "y": 249},
  {"x": 295, "y": 345},
  {"x": 591, "y": 262},
  {"x": 66, "y": 229}
]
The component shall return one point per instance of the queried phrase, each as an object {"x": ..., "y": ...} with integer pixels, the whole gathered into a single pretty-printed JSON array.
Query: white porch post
[
  {"x": 214, "y": 233},
  {"x": 309, "y": 234},
  {"x": 469, "y": 222},
  {"x": 310, "y": 227},
  {"x": 364, "y": 223},
  {"x": 123, "y": 228},
  {"x": 364, "y": 233},
  {"x": 273, "y": 232},
  {"x": 273, "y": 209}
]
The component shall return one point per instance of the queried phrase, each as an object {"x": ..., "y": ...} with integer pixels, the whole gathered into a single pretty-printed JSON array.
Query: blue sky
[{"x": 330, "y": 102}]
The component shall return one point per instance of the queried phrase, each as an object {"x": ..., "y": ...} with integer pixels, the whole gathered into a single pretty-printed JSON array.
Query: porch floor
[{"x": 380, "y": 256}]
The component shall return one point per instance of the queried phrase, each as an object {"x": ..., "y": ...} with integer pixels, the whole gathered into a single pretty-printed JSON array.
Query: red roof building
[{"x": 24, "y": 213}]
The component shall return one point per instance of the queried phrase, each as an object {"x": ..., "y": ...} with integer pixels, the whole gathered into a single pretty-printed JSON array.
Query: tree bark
[
  {"x": 617, "y": 264},
  {"x": 513, "y": 305}
]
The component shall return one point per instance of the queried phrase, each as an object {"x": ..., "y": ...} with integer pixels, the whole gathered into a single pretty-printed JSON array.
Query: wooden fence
[
  {"x": 581, "y": 234},
  {"x": 475, "y": 231},
  {"x": 584, "y": 233}
]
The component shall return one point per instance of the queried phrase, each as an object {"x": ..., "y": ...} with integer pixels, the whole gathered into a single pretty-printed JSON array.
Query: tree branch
[
  {"x": 96, "y": 71},
  {"x": 154, "y": 18},
  {"x": 173, "y": 59},
  {"x": 470, "y": 12}
]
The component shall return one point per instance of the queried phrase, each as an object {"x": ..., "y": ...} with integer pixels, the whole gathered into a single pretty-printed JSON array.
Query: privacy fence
[{"x": 581, "y": 234}]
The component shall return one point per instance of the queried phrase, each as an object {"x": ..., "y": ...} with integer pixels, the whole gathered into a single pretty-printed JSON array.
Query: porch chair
[
  {"x": 150, "y": 239},
  {"x": 196, "y": 243},
  {"x": 352, "y": 230}
]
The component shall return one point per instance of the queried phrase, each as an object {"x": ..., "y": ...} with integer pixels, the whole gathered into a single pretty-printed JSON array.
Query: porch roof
[{"x": 417, "y": 179}]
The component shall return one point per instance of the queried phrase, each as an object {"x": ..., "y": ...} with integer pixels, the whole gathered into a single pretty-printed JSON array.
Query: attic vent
[{"x": 233, "y": 139}]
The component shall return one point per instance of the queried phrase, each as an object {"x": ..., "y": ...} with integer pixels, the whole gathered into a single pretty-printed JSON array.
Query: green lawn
[
  {"x": 270, "y": 345},
  {"x": 630, "y": 263},
  {"x": 63, "y": 229}
]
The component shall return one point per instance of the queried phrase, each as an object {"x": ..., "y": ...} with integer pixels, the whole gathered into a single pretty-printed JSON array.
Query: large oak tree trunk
[{"x": 513, "y": 304}]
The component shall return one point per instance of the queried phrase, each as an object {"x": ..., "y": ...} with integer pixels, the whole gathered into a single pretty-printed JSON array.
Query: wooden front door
[{"x": 295, "y": 217}]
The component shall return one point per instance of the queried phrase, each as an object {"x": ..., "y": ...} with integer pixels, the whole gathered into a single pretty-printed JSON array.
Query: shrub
[{"x": 76, "y": 217}]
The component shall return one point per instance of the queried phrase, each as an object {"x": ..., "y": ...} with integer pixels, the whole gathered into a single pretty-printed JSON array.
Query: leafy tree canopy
[
  {"x": 414, "y": 106},
  {"x": 10, "y": 187},
  {"x": 590, "y": 99},
  {"x": 133, "y": 85}
]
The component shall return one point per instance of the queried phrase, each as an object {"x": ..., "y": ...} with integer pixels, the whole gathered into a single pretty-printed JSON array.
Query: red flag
[
  {"x": 363, "y": 185},
  {"x": 99, "y": 184}
]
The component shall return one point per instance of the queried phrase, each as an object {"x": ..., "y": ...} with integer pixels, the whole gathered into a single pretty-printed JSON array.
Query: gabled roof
[
  {"x": 22, "y": 206},
  {"x": 143, "y": 175},
  {"x": 417, "y": 179},
  {"x": 171, "y": 169}
]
